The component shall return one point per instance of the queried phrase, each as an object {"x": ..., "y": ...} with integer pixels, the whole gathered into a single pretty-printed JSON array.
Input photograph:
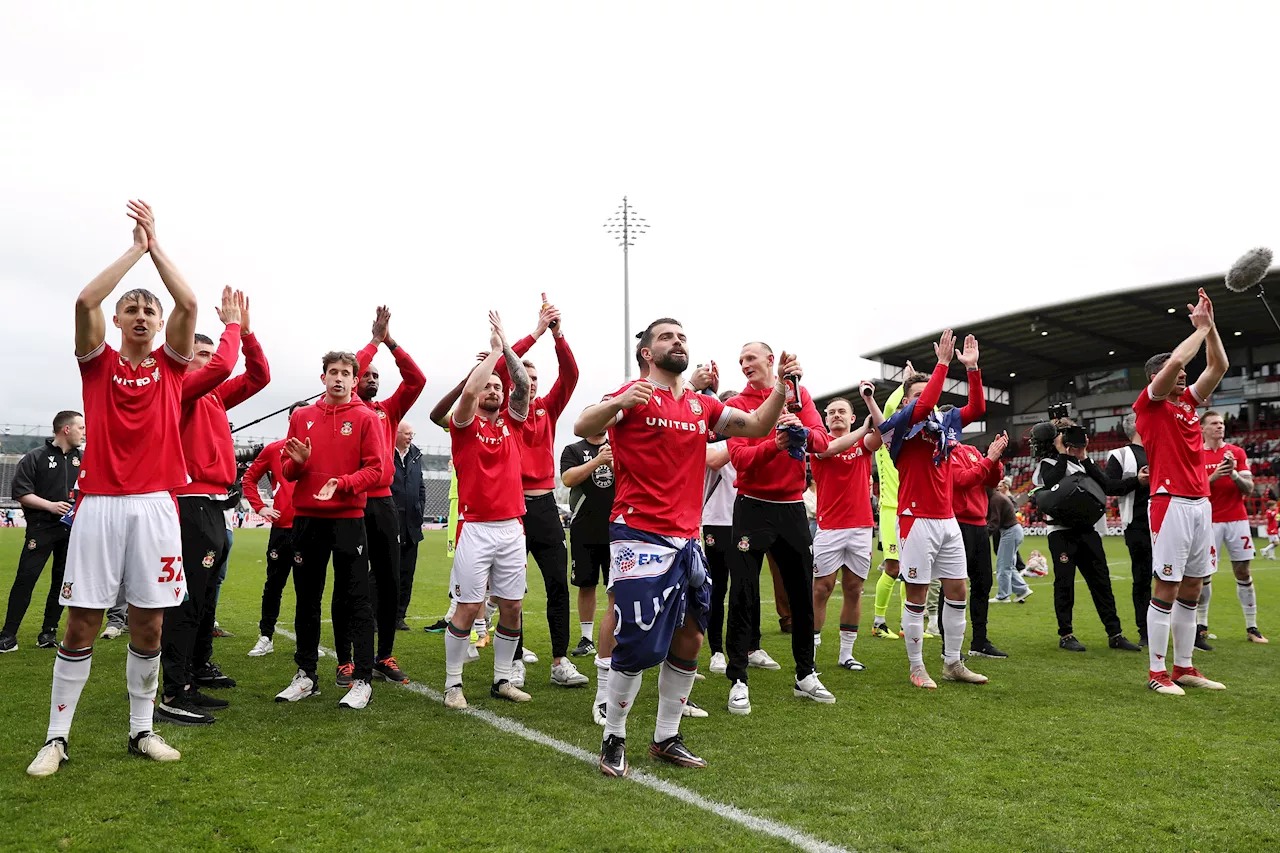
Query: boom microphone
[{"x": 1248, "y": 272}]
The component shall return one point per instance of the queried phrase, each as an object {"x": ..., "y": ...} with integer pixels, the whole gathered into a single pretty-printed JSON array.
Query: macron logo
[{"x": 309, "y": 423}]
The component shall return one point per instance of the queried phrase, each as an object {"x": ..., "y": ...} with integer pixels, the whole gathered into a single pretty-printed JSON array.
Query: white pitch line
[{"x": 762, "y": 825}]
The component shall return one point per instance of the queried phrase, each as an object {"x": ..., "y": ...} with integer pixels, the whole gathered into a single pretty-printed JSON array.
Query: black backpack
[{"x": 1075, "y": 501}]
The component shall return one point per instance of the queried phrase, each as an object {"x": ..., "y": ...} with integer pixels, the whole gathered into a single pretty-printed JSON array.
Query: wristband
[
  {"x": 393, "y": 346},
  {"x": 971, "y": 369}
]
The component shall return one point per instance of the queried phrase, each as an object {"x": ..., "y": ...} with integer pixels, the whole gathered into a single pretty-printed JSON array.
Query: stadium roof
[{"x": 1110, "y": 329}]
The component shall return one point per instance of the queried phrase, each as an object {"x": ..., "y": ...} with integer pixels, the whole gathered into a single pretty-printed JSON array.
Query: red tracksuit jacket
[
  {"x": 764, "y": 471},
  {"x": 270, "y": 461},
  {"x": 393, "y": 409},
  {"x": 972, "y": 473},
  {"x": 346, "y": 442}
]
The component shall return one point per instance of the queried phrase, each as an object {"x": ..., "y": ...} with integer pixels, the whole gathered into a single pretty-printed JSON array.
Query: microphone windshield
[{"x": 1249, "y": 270}]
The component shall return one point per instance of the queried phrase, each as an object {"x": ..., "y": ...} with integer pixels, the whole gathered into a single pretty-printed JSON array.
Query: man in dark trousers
[
  {"x": 1128, "y": 466},
  {"x": 43, "y": 484},
  {"x": 207, "y": 393},
  {"x": 409, "y": 492}
]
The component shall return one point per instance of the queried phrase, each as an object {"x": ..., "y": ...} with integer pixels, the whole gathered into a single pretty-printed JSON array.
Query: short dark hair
[
  {"x": 913, "y": 379},
  {"x": 646, "y": 337},
  {"x": 726, "y": 396},
  {"x": 64, "y": 418},
  {"x": 639, "y": 358},
  {"x": 1212, "y": 414},
  {"x": 203, "y": 339},
  {"x": 1156, "y": 363},
  {"x": 140, "y": 293},
  {"x": 527, "y": 363},
  {"x": 334, "y": 356},
  {"x": 840, "y": 400},
  {"x": 767, "y": 348},
  {"x": 298, "y": 405}
]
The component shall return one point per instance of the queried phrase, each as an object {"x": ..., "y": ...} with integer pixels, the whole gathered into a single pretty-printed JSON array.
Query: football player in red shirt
[
  {"x": 929, "y": 542},
  {"x": 1273, "y": 531},
  {"x": 1230, "y": 482},
  {"x": 657, "y": 580},
  {"x": 126, "y": 525},
  {"x": 490, "y": 557},
  {"x": 1181, "y": 517}
]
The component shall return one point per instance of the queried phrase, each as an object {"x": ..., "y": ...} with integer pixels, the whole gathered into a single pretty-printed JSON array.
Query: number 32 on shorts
[{"x": 170, "y": 572}]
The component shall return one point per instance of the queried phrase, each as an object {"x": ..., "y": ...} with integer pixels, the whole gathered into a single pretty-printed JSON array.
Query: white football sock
[
  {"x": 456, "y": 641},
  {"x": 1158, "y": 629},
  {"x": 142, "y": 674},
  {"x": 481, "y": 627},
  {"x": 623, "y": 687},
  {"x": 453, "y": 608},
  {"x": 913, "y": 633},
  {"x": 674, "y": 684},
  {"x": 505, "y": 641},
  {"x": 602, "y": 680},
  {"x": 848, "y": 636},
  {"x": 1202, "y": 606},
  {"x": 70, "y": 673},
  {"x": 587, "y": 629},
  {"x": 1248, "y": 602},
  {"x": 817, "y": 639},
  {"x": 1184, "y": 631},
  {"x": 953, "y": 625}
]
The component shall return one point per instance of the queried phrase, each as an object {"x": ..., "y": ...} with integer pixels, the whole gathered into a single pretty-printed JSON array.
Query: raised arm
[
  {"x": 977, "y": 405},
  {"x": 465, "y": 409},
  {"x": 91, "y": 323},
  {"x": 759, "y": 423},
  {"x": 848, "y": 440},
  {"x": 566, "y": 379},
  {"x": 200, "y": 382},
  {"x": 412, "y": 381},
  {"x": 1215, "y": 354},
  {"x": 1202, "y": 319},
  {"x": 180, "y": 330}
]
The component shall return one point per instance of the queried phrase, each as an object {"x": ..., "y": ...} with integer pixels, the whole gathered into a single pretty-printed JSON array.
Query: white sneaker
[
  {"x": 453, "y": 698},
  {"x": 151, "y": 745},
  {"x": 264, "y": 646},
  {"x": 300, "y": 688},
  {"x": 530, "y": 657},
  {"x": 959, "y": 672},
  {"x": 739, "y": 699},
  {"x": 49, "y": 758},
  {"x": 473, "y": 654},
  {"x": 517, "y": 673},
  {"x": 359, "y": 696},
  {"x": 692, "y": 710},
  {"x": 718, "y": 663},
  {"x": 697, "y": 676},
  {"x": 565, "y": 674},
  {"x": 934, "y": 628},
  {"x": 810, "y": 687},
  {"x": 111, "y": 632},
  {"x": 507, "y": 690},
  {"x": 598, "y": 714},
  {"x": 761, "y": 660}
]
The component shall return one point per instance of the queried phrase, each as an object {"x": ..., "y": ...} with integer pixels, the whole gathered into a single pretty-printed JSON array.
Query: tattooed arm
[{"x": 518, "y": 405}]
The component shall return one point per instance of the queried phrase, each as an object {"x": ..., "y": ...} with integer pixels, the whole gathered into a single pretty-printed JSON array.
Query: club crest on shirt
[
  {"x": 499, "y": 422},
  {"x": 744, "y": 544},
  {"x": 297, "y": 558},
  {"x": 346, "y": 428},
  {"x": 695, "y": 405},
  {"x": 1167, "y": 570},
  {"x": 382, "y": 414},
  {"x": 207, "y": 562},
  {"x": 75, "y": 462},
  {"x": 149, "y": 361},
  {"x": 710, "y": 540},
  {"x": 66, "y": 589},
  {"x": 31, "y": 545},
  {"x": 540, "y": 412}
]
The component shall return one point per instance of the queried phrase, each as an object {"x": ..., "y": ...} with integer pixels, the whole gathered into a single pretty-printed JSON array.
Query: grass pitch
[{"x": 1059, "y": 752}]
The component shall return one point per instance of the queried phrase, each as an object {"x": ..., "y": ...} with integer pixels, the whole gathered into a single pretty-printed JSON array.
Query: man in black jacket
[
  {"x": 409, "y": 494},
  {"x": 44, "y": 484},
  {"x": 1128, "y": 466}
]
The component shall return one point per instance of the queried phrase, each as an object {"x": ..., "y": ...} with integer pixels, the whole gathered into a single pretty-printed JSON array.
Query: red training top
[
  {"x": 844, "y": 488},
  {"x": 486, "y": 458},
  {"x": 538, "y": 464},
  {"x": 270, "y": 461},
  {"x": 393, "y": 409},
  {"x": 346, "y": 442},
  {"x": 764, "y": 471},
  {"x": 1273, "y": 523},
  {"x": 206, "y": 395},
  {"x": 972, "y": 474},
  {"x": 132, "y": 414},
  {"x": 1224, "y": 497},
  {"x": 924, "y": 487}
]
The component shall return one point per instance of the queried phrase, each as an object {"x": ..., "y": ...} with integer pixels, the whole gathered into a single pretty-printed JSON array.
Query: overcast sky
[{"x": 830, "y": 178}]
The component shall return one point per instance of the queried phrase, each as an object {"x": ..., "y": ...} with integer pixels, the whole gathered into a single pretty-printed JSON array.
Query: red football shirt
[
  {"x": 659, "y": 456},
  {"x": 486, "y": 457},
  {"x": 844, "y": 488},
  {"x": 1224, "y": 497},
  {"x": 131, "y": 416},
  {"x": 1170, "y": 430},
  {"x": 1273, "y": 523}
]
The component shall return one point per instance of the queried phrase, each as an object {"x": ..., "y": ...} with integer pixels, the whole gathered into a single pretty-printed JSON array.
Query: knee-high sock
[
  {"x": 623, "y": 687},
  {"x": 1184, "y": 631},
  {"x": 1158, "y": 625},
  {"x": 675, "y": 680},
  {"x": 453, "y": 608},
  {"x": 456, "y": 641},
  {"x": 481, "y": 627},
  {"x": 848, "y": 636},
  {"x": 70, "y": 673},
  {"x": 141, "y": 673},
  {"x": 602, "y": 679},
  {"x": 913, "y": 633},
  {"x": 1202, "y": 606},
  {"x": 505, "y": 641},
  {"x": 953, "y": 624},
  {"x": 1248, "y": 602},
  {"x": 884, "y": 591}
]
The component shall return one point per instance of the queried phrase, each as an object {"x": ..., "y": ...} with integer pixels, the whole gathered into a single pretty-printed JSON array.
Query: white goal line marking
[{"x": 762, "y": 825}]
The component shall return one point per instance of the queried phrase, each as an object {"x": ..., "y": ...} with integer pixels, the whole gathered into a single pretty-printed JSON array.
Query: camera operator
[
  {"x": 1060, "y": 446},
  {"x": 1128, "y": 466}
]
